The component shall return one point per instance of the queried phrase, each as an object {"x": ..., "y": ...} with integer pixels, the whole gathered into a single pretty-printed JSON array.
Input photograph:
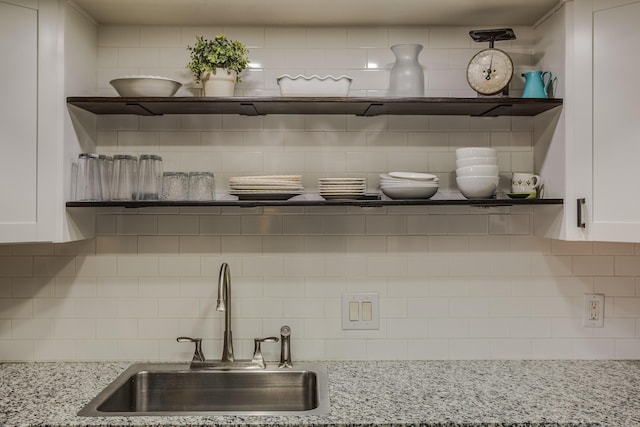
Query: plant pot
[{"x": 222, "y": 83}]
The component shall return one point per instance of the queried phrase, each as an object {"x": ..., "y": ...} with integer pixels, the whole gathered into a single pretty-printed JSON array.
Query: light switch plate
[{"x": 368, "y": 305}]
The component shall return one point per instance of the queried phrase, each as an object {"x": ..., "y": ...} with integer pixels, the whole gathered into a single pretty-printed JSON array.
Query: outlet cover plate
[{"x": 593, "y": 311}]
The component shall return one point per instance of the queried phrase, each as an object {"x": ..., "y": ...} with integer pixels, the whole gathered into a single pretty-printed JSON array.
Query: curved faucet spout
[{"x": 224, "y": 304}]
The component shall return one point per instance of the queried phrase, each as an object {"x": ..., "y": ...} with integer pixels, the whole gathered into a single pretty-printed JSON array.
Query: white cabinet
[
  {"x": 19, "y": 120},
  {"x": 615, "y": 205},
  {"x": 593, "y": 153},
  {"x": 48, "y": 50}
]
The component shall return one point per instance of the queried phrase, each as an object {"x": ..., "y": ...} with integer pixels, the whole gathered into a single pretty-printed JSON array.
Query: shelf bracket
[
  {"x": 374, "y": 109},
  {"x": 498, "y": 110},
  {"x": 139, "y": 110},
  {"x": 248, "y": 109}
]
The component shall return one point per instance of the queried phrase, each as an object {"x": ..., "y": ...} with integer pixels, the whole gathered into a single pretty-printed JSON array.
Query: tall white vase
[
  {"x": 407, "y": 77},
  {"x": 222, "y": 83}
]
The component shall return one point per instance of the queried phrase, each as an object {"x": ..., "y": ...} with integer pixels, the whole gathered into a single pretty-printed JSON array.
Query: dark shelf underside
[
  {"x": 346, "y": 202},
  {"x": 257, "y": 106}
]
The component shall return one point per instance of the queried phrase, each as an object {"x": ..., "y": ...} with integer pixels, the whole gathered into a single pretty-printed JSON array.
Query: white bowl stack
[
  {"x": 477, "y": 172},
  {"x": 409, "y": 185}
]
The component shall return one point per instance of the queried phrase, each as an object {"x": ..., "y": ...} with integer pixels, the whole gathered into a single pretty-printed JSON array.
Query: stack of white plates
[
  {"x": 477, "y": 172},
  {"x": 266, "y": 186},
  {"x": 409, "y": 185},
  {"x": 342, "y": 188}
]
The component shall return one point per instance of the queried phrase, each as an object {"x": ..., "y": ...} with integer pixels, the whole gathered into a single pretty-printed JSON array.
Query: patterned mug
[{"x": 525, "y": 183}]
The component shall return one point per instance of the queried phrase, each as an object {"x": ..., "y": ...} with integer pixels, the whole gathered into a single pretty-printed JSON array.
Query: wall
[{"x": 454, "y": 282}]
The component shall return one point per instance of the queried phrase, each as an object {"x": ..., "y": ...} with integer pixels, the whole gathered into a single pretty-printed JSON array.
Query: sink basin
[{"x": 174, "y": 389}]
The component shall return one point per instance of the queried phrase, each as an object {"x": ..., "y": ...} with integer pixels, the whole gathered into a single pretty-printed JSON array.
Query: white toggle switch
[
  {"x": 354, "y": 312},
  {"x": 367, "y": 311},
  {"x": 360, "y": 311}
]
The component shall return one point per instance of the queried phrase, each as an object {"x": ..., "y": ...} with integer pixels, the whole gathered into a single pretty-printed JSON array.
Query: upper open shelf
[{"x": 370, "y": 106}]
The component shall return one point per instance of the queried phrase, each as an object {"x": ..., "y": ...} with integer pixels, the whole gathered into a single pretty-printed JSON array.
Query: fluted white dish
[
  {"x": 474, "y": 161},
  {"x": 466, "y": 152},
  {"x": 477, "y": 187},
  {"x": 478, "y": 170},
  {"x": 314, "y": 85}
]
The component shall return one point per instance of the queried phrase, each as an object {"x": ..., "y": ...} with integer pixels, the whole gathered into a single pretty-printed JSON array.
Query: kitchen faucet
[
  {"x": 224, "y": 304},
  {"x": 228, "y": 361}
]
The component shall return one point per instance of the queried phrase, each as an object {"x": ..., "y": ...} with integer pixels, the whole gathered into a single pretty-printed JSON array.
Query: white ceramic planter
[{"x": 222, "y": 83}]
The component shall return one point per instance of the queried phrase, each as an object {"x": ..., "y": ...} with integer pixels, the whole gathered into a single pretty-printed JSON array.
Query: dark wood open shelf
[
  {"x": 368, "y": 202},
  {"x": 369, "y": 106}
]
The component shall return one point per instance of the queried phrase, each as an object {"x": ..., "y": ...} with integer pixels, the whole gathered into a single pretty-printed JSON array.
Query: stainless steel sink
[{"x": 174, "y": 389}]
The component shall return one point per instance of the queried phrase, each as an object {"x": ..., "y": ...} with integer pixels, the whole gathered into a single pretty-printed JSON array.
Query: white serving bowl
[
  {"x": 466, "y": 152},
  {"x": 314, "y": 85},
  {"x": 410, "y": 192},
  {"x": 414, "y": 176},
  {"x": 145, "y": 86},
  {"x": 474, "y": 161},
  {"x": 478, "y": 170},
  {"x": 477, "y": 187}
]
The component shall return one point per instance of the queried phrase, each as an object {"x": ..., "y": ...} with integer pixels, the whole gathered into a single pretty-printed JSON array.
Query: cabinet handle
[{"x": 580, "y": 207}]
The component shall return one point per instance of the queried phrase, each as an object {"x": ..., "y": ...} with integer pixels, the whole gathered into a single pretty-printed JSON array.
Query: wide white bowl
[
  {"x": 414, "y": 176},
  {"x": 478, "y": 170},
  {"x": 145, "y": 86},
  {"x": 409, "y": 192},
  {"x": 473, "y": 161},
  {"x": 477, "y": 187},
  {"x": 408, "y": 184},
  {"x": 314, "y": 85},
  {"x": 466, "y": 152}
]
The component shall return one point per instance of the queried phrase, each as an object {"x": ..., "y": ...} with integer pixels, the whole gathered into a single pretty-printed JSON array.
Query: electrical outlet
[
  {"x": 360, "y": 311},
  {"x": 593, "y": 312}
]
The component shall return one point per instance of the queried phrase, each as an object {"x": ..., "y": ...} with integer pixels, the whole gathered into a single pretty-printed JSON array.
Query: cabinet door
[
  {"x": 18, "y": 122},
  {"x": 615, "y": 213}
]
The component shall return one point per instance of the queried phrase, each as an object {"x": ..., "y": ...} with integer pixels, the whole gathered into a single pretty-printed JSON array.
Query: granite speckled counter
[{"x": 384, "y": 393}]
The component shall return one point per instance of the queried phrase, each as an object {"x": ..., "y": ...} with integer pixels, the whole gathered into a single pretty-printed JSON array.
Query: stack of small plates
[
  {"x": 260, "y": 187},
  {"x": 342, "y": 188},
  {"x": 409, "y": 185}
]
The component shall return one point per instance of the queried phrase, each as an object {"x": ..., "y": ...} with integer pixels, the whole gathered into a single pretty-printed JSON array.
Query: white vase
[
  {"x": 407, "y": 77},
  {"x": 222, "y": 83}
]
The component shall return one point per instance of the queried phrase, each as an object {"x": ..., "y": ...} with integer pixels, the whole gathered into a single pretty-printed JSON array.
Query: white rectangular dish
[{"x": 314, "y": 85}]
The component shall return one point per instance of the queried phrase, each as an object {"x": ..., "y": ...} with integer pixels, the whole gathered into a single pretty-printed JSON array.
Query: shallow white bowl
[
  {"x": 478, "y": 170},
  {"x": 414, "y": 176},
  {"x": 473, "y": 161},
  {"x": 410, "y": 184},
  {"x": 410, "y": 192},
  {"x": 477, "y": 187},
  {"x": 145, "y": 86},
  {"x": 314, "y": 85},
  {"x": 466, "y": 152}
]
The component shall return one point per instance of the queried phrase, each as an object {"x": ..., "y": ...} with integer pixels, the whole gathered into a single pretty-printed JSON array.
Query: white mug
[{"x": 525, "y": 183}]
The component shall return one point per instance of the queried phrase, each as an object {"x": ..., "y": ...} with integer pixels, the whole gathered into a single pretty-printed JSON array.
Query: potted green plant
[{"x": 217, "y": 64}]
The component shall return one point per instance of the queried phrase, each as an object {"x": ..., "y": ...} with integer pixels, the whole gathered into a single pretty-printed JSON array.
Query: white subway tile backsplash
[{"x": 454, "y": 282}]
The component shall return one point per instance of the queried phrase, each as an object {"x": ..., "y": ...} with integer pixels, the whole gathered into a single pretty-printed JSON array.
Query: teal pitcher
[{"x": 535, "y": 85}]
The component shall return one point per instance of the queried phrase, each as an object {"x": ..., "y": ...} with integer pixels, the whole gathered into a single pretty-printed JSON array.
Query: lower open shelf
[{"x": 369, "y": 201}]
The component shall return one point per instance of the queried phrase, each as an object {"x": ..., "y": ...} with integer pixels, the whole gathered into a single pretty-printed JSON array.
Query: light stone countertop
[{"x": 383, "y": 393}]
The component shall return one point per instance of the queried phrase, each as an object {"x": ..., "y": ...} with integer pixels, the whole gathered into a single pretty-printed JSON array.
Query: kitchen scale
[{"x": 490, "y": 71}]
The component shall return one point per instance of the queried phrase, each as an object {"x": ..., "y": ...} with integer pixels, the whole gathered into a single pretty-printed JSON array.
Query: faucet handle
[
  {"x": 285, "y": 348},
  {"x": 198, "y": 355},
  {"x": 257, "y": 352}
]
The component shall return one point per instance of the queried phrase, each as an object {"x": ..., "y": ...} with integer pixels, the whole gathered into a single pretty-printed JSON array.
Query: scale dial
[{"x": 490, "y": 71}]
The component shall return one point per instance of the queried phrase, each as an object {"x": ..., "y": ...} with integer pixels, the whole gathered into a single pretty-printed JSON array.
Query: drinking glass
[
  {"x": 149, "y": 177},
  {"x": 124, "y": 180},
  {"x": 88, "y": 186}
]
